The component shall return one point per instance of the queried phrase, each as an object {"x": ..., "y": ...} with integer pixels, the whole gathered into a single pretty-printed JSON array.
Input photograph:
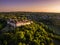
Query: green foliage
[
  {"x": 29, "y": 34},
  {"x": 33, "y": 34},
  {"x": 2, "y": 24}
]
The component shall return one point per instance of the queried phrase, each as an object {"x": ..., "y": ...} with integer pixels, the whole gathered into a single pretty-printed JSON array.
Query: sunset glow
[{"x": 30, "y": 5}]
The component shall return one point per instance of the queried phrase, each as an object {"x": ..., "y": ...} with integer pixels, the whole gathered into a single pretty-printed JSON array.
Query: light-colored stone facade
[{"x": 19, "y": 23}]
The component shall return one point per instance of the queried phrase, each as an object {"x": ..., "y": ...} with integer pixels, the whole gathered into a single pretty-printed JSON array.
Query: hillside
[{"x": 42, "y": 31}]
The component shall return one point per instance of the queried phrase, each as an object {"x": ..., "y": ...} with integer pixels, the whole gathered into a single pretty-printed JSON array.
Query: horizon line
[{"x": 28, "y": 11}]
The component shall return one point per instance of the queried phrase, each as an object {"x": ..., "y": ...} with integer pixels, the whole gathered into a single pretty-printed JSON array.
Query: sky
[{"x": 30, "y": 5}]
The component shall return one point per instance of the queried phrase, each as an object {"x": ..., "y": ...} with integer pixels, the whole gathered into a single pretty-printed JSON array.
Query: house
[{"x": 15, "y": 23}]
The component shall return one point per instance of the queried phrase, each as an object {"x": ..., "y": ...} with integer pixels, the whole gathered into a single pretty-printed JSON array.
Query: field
[{"x": 45, "y": 29}]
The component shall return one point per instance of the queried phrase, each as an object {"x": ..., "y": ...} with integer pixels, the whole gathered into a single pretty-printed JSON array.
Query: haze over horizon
[{"x": 30, "y": 5}]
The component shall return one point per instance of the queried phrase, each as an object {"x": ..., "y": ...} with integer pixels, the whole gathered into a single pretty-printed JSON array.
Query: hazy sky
[{"x": 30, "y": 5}]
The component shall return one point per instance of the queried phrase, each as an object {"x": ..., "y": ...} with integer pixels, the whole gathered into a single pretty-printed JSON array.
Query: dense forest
[{"x": 41, "y": 32}]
